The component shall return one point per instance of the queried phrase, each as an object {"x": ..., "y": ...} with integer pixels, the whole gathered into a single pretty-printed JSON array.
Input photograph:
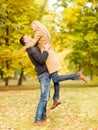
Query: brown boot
[
  {"x": 55, "y": 104},
  {"x": 45, "y": 120},
  {"x": 82, "y": 77},
  {"x": 39, "y": 123}
]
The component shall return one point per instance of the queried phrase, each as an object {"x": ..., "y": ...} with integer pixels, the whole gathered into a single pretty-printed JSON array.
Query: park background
[{"x": 73, "y": 25}]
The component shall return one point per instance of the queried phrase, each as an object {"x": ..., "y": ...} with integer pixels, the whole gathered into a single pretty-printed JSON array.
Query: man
[{"x": 38, "y": 59}]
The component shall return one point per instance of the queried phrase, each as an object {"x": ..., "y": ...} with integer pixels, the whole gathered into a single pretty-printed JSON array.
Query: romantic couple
[{"x": 47, "y": 66}]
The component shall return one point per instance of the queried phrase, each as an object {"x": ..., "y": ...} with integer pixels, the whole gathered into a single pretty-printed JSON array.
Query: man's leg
[
  {"x": 44, "y": 109},
  {"x": 44, "y": 80}
]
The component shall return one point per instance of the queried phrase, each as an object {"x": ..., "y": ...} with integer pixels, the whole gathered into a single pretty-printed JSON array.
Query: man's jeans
[
  {"x": 44, "y": 80},
  {"x": 57, "y": 78}
]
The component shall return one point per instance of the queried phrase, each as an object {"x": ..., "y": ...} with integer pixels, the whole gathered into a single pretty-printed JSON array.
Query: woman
[{"x": 42, "y": 39}]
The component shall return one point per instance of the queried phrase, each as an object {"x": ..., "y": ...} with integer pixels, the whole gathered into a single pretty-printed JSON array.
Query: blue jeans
[
  {"x": 57, "y": 78},
  {"x": 44, "y": 80}
]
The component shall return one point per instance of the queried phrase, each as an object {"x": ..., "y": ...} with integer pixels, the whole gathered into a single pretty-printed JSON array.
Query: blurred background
[{"x": 73, "y": 25}]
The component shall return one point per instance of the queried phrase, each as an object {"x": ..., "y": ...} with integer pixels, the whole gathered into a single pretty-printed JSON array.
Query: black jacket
[{"x": 38, "y": 59}]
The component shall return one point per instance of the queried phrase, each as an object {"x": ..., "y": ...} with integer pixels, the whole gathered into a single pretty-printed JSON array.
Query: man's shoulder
[{"x": 33, "y": 49}]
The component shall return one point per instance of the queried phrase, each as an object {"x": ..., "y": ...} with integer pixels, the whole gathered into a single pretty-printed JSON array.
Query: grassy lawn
[{"x": 78, "y": 111}]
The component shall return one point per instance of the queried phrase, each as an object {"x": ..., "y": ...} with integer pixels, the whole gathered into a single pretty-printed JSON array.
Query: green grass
[{"x": 78, "y": 111}]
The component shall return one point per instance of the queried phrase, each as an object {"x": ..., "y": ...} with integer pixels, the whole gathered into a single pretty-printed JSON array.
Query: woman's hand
[
  {"x": 46, "y": 47},
  {"x": 25, "y": 47}
]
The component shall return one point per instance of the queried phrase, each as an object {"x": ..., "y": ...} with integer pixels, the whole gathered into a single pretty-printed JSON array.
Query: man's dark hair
[{"x": 22, "y": 41}]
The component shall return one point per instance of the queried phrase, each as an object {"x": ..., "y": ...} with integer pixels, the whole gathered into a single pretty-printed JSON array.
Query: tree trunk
[
  {"x": 6, "y": 81},
  {"x": 7, "y": 62},
  {"x": 42, "y": 9},
  {"x": 20, "y": 78},
  {"x": 1, "y": 74},
  {"x": 7, "y": 78}
]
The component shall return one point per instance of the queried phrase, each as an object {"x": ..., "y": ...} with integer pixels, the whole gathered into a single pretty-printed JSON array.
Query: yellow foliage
[
  {"x": 7, "y": 72},
  {"x": 71, "y": 14},
  {"x": 80, "y": 1},
  {"x": 69, "y": 39},
  {"x": 91, "y": 36},
  {"x": 94, "y": 2}
]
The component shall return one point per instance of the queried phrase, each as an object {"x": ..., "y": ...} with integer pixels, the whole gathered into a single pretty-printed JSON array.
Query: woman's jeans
[
  {"x": 57, "y": 78},
  {"x": 44, "y": 80}
]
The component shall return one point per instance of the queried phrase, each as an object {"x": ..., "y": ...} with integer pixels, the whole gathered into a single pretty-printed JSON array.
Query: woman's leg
[
  {"x": 57, "y": 78},
  {"x": 56, "y": 91},
  {"x": 56, "y": 101}
]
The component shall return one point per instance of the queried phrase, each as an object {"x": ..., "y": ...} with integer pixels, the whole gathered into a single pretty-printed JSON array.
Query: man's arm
[
  {"x": 41, "y": 59},
  {"x": 38, "y": 56}
]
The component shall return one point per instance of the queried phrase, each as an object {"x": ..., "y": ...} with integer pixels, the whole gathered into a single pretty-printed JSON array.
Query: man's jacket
[{"x": 38, "y": 59}]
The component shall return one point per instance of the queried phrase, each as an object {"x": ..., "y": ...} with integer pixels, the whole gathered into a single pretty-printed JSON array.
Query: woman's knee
[{"x": 55, "y": 79}]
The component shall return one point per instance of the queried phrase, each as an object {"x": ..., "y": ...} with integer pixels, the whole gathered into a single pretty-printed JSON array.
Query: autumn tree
[
  {"x": 15, "y": 19},
  {"x": 78, "y": 24}
]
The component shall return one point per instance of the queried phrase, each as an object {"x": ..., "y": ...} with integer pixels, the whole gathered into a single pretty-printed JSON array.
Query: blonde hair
[{"x": 41, "y": 27}]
